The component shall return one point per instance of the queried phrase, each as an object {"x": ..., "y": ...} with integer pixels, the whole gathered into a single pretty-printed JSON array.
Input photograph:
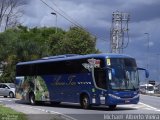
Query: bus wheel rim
[{"x": 85, "y": 102}]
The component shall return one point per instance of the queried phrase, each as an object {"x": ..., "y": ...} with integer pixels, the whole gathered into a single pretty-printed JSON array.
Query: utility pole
[
  {"x": 147, "y": 36},
  {"x": 158, "y": 71},
  {"x": 119, "y": 27}
]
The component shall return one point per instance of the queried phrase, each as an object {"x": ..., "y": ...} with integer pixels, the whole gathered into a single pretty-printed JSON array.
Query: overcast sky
[{"x": 96, "y": 17}]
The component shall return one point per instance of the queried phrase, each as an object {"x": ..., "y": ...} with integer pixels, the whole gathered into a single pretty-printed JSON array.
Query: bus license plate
[{"x": 127, "y": 101}]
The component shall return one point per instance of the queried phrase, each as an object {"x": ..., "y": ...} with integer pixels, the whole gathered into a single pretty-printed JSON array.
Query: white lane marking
[
  {"x": 149, "y": 95},
  {"x": 8, "y": 99},
  {"x": 153, "y": 108},
  {"x": 52, "y": 112}
]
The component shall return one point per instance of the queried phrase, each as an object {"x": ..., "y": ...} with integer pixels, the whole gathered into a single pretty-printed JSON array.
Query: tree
[
  {"x": 24, "y": 44},
  {"x": 79, "y": 41},
  {"x": 74, "y": 41},
  {"x": 10, "y": 11},
  {"x": 55, "y": 43}
]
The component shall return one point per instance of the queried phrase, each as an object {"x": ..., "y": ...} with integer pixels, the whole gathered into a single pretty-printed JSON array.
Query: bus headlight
[{"x": 113, "y": 96}]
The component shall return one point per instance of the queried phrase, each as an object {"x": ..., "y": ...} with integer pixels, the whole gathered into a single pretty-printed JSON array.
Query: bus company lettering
[{"x": 70, "y": 81}]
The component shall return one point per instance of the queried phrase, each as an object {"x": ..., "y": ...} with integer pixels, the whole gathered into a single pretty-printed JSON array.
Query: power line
[
  {"x": 60, "y": 14},
  {"x": 71, "y": 20},
  {"x": 67, "y": 14}
]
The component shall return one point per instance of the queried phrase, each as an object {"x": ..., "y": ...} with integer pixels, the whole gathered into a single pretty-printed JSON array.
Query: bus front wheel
[
  {"x": 85, "y": 103},
  {"x": 32, "y": 98}
]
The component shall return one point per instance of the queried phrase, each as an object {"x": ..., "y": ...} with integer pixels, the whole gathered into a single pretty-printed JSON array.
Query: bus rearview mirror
[{"x": 146, "y": 72}]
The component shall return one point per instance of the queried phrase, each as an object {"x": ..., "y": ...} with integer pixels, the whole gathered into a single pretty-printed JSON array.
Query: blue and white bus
[{"x": 93, "y": 79}]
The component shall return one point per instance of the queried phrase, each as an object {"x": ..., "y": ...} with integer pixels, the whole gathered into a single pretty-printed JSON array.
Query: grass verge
[{"x": 10, "y": 114}]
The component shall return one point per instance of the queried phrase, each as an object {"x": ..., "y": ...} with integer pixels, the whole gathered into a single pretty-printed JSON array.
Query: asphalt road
[
  {"x": 151, "y": 100},
  {"x": 67, "y": 111}
]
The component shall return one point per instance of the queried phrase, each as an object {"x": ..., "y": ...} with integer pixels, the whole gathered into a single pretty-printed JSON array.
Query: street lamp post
[
  {"x": 147, "y": 49},
  {"x": 53, "y": 13},
  {"x": 158, "y": 66},
  {"x": 147, "y": 34}
]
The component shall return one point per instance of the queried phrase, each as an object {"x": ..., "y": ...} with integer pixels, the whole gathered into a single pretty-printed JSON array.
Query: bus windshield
[{"x": 126, "y": 75}]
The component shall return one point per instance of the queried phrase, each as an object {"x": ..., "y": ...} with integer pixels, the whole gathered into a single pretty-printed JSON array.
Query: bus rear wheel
[
  {"x": 85, "y": 103},
  {"x": 32, "y": 98}
]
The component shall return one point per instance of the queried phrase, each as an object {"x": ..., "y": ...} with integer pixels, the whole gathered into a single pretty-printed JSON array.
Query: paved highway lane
[
  {"x": 74, "y": 111},
  {"x": 150, "y": 100}
]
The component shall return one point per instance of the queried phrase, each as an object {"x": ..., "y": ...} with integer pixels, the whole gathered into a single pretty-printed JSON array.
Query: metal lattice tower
[{"x": 118, "y": 30}]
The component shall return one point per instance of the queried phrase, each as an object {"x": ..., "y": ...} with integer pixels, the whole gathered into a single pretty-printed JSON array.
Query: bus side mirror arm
[{"x": 146, "y": 71}]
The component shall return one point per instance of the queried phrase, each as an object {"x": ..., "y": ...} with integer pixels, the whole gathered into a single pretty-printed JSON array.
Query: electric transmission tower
[{"x": 117, "y": 33}]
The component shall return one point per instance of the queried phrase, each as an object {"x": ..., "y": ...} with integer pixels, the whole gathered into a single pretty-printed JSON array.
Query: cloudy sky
[{"x": 96, "y": 17}]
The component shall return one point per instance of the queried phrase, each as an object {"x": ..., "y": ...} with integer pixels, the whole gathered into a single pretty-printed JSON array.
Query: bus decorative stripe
[
  {"x": 87, "y": 66},
  {"x": 92, "y": 63}
]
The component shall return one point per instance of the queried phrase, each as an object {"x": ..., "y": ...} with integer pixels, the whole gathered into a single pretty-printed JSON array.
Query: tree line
[
  {"x": 21, "y": 43},
  {"x": 10, "y": 12}
]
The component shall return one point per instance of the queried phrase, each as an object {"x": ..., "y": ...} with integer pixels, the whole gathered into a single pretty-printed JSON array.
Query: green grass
[{"x": 10, "y": 114}]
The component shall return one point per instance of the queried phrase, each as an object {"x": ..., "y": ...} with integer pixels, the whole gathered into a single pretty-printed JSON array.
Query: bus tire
[
  {"x": 39, "y": 102},
  {"x": 84, "y": 101},
  {"x": 32, "y": 99},
  {"x": 11, "y": 94},
  {"x": 55, "y": 103},
  {"x": 112, "y": 107}
]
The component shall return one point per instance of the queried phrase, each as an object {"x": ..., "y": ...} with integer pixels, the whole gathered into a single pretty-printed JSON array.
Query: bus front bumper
[{"x": 115, "y": 100}]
